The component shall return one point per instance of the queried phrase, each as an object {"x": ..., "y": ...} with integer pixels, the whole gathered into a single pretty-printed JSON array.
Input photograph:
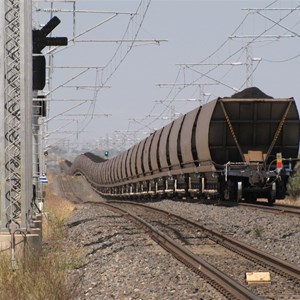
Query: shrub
[{"x": 293, "y": 186}]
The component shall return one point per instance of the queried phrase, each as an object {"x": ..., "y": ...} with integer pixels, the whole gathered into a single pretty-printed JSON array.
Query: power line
[
  {"x": 102, "y": 73},
  {"x": 225, "y": 61}
]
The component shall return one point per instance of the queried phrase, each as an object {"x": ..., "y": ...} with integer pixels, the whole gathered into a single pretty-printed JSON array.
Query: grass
[
  {"x": 43, "y": 274},
  {"x": 290, "y": 201},
  {"x": 258, "y": 231}
]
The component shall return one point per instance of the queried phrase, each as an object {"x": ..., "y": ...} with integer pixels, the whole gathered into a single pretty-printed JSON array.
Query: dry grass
[
  {"x": 38, "y": 276},
  {"x": 57, "y": 211},
  {"x": 290, "y": 201},
  {"x": 286, "y": 201},
  {"x": 44, "y": 274}
]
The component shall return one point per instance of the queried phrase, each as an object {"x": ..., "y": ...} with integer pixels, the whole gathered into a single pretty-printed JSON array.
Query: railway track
[
  {"x": 277, "y": 208},
  {"x": 252, "y": 253},
  {"x": 225, "y": 284},
  {"x": 218, "y": 280},
  {"x": 67, "y": 190},
  {"x": 210, "y": 244},
  {"x": 228, "y": 287}
]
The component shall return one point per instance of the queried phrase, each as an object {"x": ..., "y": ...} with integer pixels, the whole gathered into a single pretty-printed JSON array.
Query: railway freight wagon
[{"x": 244, "y": 146}]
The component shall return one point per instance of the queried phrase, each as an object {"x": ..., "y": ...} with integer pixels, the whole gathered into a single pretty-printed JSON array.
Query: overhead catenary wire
[
  {"x": 217, "y": 65},
  {"x": 178, "y": 74},
  {"x": 104, "y": 79},
  {"x": 104, "y": 73}
]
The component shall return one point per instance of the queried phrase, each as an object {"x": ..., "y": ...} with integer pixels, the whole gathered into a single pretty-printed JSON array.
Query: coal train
[{"x": 235, "y": 148}]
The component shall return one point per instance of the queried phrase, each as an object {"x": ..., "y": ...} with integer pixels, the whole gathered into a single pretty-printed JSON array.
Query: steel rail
[
  {"x": 279, "y": 208},
  {"x": 224, "y": 284},
  {"x": 278, "y": 265},
  {"x": 227, "y": 286},
  {"x": 287, "y": 206},
  {"x": 67, "y": 189},
  {"x": 275, "y": 263}
]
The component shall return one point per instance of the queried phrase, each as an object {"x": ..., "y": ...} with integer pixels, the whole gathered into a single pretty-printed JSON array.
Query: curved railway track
[
  {"x": 278, "y": 265},
  {"x": 276, "y": 208},
  {"x": 220, "y": 281},
  {"x": 228, "y": 287},
  {"x": 225, "y": 284}
]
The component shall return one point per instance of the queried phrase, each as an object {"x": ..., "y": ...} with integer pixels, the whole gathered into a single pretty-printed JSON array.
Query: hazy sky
[{"x": 230, "y": 44}]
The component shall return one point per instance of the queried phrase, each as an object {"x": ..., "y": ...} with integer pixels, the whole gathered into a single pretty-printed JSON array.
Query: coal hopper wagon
[{"x": 239, "y": 147}]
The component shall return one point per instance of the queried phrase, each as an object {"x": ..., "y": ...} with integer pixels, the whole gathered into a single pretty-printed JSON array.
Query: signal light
[{"x": 38, "y": 72}]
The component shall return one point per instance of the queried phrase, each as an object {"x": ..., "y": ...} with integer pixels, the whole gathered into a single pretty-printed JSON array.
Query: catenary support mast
[{"x": 15, "y": 115}]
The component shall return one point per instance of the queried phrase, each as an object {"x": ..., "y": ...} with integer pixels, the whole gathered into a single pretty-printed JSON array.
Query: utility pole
[{"x": 21, "y": 78}]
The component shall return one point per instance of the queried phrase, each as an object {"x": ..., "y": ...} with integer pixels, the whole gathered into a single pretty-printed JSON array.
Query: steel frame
[{"x": 15, "y": 115}]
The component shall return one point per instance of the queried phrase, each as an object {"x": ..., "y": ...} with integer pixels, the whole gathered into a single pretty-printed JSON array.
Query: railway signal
[{"x": 39, "y": 42}]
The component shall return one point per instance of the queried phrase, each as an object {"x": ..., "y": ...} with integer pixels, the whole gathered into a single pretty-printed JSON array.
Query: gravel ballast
[
  {"x": 120, "y": 262},
  {"x": 123, "y": 263},
  {"x": 277, "y": 234}
]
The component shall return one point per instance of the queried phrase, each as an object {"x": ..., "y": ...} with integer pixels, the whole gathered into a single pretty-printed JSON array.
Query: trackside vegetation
[
  {"x": 43, "y": 274},
  {"x": 294, "y": 184}
]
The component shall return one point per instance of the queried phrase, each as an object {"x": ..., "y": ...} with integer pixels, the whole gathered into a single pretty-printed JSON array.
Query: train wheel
[
  {"x": 239, "y": 191},
  {"x": 272, "y": 194},
  {"x": 229, "y": 191},
  {"x": 250, "y": 198}
]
